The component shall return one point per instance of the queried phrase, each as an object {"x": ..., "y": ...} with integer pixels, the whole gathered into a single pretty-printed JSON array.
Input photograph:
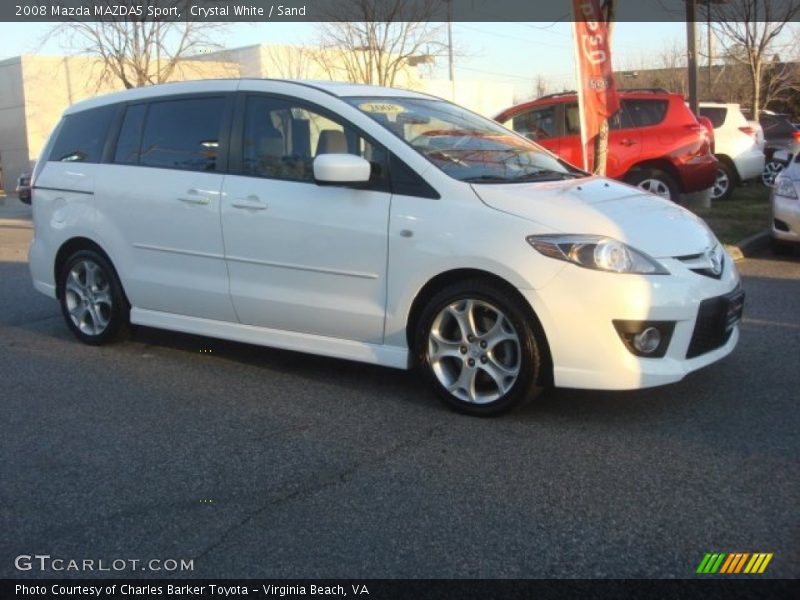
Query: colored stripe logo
[{"x": 734, "y": 562}]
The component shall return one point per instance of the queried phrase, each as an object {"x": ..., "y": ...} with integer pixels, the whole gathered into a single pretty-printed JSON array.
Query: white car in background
[
  {"x": 785, "y": 200},
  {"x": 738, "y": 145},
  {"x": 375, "y": 225}
]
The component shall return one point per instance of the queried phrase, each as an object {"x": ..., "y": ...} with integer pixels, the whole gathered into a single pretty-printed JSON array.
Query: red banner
[{"x": 597, "y": 92}]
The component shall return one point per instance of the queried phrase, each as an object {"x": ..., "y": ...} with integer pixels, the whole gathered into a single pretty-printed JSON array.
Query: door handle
[
  {"x": 627, "y": 142},
  {"x": 193, "y": 197},
  {"x": 250, "y": 203}
]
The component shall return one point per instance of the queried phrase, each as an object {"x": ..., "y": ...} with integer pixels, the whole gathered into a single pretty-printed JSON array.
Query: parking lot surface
[{"x": 255, "y": 462}]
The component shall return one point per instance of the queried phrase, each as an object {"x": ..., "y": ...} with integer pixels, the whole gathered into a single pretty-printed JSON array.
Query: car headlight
[
  {"x": 785, "y": 187},
  {"x": 596, "y": 252}
]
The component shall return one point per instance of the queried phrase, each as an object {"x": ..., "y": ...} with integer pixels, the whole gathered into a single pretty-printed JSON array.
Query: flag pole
[{"x": 581, "y": 105}]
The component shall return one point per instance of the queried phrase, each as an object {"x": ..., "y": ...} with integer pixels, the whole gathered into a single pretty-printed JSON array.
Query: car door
[
  {"x": 159, "y": 203},
  {"x": 304, "y": 257},
  {"x": 624, "y": 141}
]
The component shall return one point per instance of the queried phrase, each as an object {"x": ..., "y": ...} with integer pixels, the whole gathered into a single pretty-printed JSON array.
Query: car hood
[{"x": 600, "y": 206}]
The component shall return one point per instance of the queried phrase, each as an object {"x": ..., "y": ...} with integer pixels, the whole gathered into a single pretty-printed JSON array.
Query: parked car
[
  {"x": 736, "y": 147},
  {"x": 24, "y": 188},
  {"x": 655, "y": 142},
  {"x": 785, "y": 201},
  {"x": 376, "y": 225},
  {"x": 780, "y": 134}
]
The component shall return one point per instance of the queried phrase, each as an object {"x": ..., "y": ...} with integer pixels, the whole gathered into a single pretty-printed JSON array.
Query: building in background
[{"x": 35, "y": 90}]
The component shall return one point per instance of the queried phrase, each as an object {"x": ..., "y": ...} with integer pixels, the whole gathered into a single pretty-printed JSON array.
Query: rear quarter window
[
  {"x": 716, "y": 114},
  {"x": 82, "y": 136}
]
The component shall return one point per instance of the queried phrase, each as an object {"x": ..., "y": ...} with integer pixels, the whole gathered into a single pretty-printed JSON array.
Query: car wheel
[
  {"x": 724, "y": 183},
  {"x": 656, "y": 182},
  {"x": 92, "y": 300},
  {"x": 772, "y": 169},
  {"x": 479, "y": 349},
  {"x": 781, "y": 248}
]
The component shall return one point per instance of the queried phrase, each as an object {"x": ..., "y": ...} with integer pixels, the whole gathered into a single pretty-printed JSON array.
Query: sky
[{"x": 514, "y": 53}]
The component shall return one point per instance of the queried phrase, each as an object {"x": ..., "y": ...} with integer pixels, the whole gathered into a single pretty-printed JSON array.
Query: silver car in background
[{"x": 785, "y": 201}]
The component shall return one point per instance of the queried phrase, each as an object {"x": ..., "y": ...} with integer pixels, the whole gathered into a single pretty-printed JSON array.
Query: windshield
[{"x": 462, "y": 144}]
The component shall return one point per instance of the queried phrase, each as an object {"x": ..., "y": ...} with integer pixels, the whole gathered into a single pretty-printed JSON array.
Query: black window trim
[{"x": 223, "y": 154}]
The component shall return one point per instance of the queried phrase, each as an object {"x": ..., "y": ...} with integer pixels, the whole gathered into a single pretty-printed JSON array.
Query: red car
[{"x": 655, "y": 142}]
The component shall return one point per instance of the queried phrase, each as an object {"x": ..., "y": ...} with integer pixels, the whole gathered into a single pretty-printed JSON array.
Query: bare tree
[
  {"x": 373, "y": 41},
  {"x": 747, "y": 30},
  {"x": 291, "y": 62},
  {"x": 138, "y": 49}
]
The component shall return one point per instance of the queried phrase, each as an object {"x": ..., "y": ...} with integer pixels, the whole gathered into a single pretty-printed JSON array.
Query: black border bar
[{"x": 18, "y": 11}]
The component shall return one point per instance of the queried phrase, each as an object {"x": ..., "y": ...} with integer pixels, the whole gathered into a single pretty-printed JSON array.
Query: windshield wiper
[
  {"x": 542, "y": 175},
  {"x": 548, "y": 175},
  {"x": 487, "y": 179}
]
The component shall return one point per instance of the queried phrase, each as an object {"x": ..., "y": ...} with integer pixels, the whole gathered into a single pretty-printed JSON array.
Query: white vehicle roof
[
  {"x": 720, "y": 104},
  {"x": 335, "y": 88}
]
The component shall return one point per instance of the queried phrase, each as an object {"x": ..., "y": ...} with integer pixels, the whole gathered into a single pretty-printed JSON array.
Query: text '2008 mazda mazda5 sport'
[{"x": 376, "y": 225}]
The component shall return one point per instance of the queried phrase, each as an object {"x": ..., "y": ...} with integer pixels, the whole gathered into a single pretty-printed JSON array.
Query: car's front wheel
[
  {"x": 479, "y": 349},
  {"x": 92, "y": 300}
]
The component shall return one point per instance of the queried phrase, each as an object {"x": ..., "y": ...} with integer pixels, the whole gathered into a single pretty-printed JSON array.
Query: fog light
[{"x": 647, "y": 341}]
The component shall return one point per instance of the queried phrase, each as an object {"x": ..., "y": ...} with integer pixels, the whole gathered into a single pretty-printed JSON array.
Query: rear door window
[
  {"x": 183, "y": 134},
  {"x": 645, "y": 113},
  {"x": 572, "y": 124},
  {"x": 82, "y": 136}
]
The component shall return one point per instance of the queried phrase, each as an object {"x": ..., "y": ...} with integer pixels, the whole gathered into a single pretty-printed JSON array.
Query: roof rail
[
  {"x": 555, "y": 95},
  {"x": 654, "y": 90}
]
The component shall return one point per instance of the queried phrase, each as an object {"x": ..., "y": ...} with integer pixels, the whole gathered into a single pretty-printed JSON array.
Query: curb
[{"x": 749, "y": 246}]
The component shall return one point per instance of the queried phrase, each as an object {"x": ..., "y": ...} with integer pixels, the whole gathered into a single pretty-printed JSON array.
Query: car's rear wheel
[
  {"x": 92, "y": 300},
  {"x": 656, "y": 182},
  {"x": 772, "y": 169},
  {"x": 479, "y": 349},
  {"x": 781, "y": 248},
  {"x": 724, "y": 183}
]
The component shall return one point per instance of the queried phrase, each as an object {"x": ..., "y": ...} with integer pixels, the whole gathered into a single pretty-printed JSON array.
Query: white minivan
[{"x": 376, "y": 225}]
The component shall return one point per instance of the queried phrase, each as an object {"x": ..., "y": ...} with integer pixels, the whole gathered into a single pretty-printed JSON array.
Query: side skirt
[{"x": 387, "y": 356}]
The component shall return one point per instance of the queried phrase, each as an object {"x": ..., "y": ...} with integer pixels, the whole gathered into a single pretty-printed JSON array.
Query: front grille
[{"x": 715, "y": 320}]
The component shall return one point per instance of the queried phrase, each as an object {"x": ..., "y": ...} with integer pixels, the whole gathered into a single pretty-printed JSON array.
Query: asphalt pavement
[{"x": 255, "y": 462}]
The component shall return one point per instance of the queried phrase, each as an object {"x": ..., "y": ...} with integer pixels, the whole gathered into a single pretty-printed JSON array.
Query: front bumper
[
  {"x": 786, "y": 217},
  {"x": 578, "y": 307}
]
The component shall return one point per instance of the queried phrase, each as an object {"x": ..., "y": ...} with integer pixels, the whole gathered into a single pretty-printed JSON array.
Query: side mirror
[
  {"x": 782, "y": 156},
  {"x": 341, "y": 169}
]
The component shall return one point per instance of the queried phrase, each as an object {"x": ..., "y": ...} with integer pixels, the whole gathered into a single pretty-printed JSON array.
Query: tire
[
  {"x": 656, "y": 182},
  {"x": 725, "y": 182},
  {"x": 781, "y": 248},
  {"x": 479, "y": 376},
  {"x": 772, "y": 169},
  {"x": 92, "y": 300}
]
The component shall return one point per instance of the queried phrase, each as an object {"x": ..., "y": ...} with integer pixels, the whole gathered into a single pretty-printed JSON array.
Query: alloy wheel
[
  {"x": 474, "y": 351},
  {"x": 88, "y": 297},
  {"x": 655, "y": 186},
  {"x": 770, "y": 173},
  {"x": 721, "y": 185}
]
